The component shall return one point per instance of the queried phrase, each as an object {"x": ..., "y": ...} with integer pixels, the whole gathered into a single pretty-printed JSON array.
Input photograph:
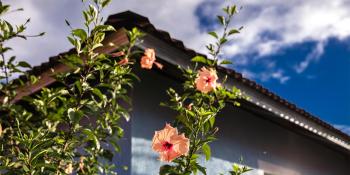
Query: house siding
[{"x": 265, "y": 146}]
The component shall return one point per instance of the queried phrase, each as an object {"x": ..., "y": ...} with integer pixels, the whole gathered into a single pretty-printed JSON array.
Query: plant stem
[
  {"x": 223, "y": 36},
  {"x": 194, "y": 148}
]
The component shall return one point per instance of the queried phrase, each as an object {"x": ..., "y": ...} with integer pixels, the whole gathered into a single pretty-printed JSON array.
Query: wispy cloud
[
  {"x": 265, "y": 76},
  {"x": 313, "y": 56},
  {"x": 279, "y": 76}
]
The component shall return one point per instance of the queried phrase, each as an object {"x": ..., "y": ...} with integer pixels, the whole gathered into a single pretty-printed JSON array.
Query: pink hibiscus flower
[
  {"x": 169, "y": 144},
  {"x": 206, "y": 80}
]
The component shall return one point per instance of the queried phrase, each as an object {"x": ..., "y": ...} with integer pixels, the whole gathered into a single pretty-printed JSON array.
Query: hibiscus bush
[
  {"x": 198, "y": 104},
  {"x": 73, "y": 126}
]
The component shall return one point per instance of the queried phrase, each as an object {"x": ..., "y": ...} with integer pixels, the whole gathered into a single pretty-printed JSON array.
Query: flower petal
[
  {"x": 162, "y": 136},
  {"x": 181, "y": 144}
]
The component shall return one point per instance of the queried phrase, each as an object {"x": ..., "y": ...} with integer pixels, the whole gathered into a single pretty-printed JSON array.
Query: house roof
[{"x": 129, "y": 20}]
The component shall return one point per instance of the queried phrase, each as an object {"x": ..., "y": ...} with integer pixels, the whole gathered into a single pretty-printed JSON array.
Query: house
[{"x": 273, "y": 136}]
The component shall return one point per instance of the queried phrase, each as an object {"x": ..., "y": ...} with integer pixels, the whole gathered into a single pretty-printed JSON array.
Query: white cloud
[
  {"x": 269, "y": 27},
  {"x": 313, "y": 56},
  {"x": 248, "y": 74},
  {"x": 46, "y": 16},
  {"x": 175, "y": 16},
  {"x": 290, "y": 22},
  {"x": 279, "y": 76},
  {"x": 265, "y": 76}
]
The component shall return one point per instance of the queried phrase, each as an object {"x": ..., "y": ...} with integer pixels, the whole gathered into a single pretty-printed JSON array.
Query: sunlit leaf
[
  {"x": 206, "y": 151},
  {"x": 199, "y": 59},
  {"x": 221, "y": 19},
  {"x": 213, "y": 34},
  {"x": 80, "y": 33}
]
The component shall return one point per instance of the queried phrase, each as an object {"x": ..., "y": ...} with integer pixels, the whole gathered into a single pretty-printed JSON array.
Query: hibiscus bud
[
  {"x": 123, "y": 61},
  {"x": 117, "y": 54},
  {"x": 189, "y": 107}
]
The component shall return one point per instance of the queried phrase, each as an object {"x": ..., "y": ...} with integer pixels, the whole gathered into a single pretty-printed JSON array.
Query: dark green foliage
[{"x": 74, "y": 126}]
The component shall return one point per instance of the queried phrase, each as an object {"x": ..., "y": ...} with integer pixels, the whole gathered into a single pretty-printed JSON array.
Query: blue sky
[
  {"x": 312, "y": 72},
  {"x": 324, "y": 87},
  {"x": 298, "y": 49}
]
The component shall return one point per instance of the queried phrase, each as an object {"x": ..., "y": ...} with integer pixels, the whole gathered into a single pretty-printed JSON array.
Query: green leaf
[
  {"x": 225, "y": 62},
  {"x": 78, "y": 86},
  {"x": 4, "y": 9},
  {"x": 166, "y": 170},
  {"x": 25, "y": 168},
  {"x": 212, "y": 121},
  {"x": 213, "y": 34},
  {"x": 98, "y": 38},
  {"x": 86, "y": 17},
  {"x": 233, "y": 10},
  {"x": 104, "y": 28},
  {"x": 233, "y": 31},
  {"x": 183, "y": 119},
  {"x": 74, "y": 115},
  {"x": 226, "y": 9},
  {"x": 236, "y": 168},
  {"x": 223, "y": 41},
  {"x": 67, "y": 22},
  {"x": 72, "y": 60},
  {"x": 42, "y": 34},
  {"x": 221, "y": 19},
  {"x": 206, "y": 151},
  {"x": 92, "y": 12},
  {"x": 11, "y": 60},
  {"x": 72, "y": 41},
  {"x": 105, "y": 3},
  {"x": 199, "y": 59},
  {"x": 24, "y": 64},
  {"x": 39, "y": 154},
  {"x": 33, "y": 79},
  {"x": 98, "y": 93},
  {"x": 80, "y": 33},
  {"x": 91, "y": 136},
  {"x": 201, "y": 169}
]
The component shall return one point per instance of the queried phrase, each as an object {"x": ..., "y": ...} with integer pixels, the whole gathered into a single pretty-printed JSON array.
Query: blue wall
[{"x": 265, "y": 146}]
